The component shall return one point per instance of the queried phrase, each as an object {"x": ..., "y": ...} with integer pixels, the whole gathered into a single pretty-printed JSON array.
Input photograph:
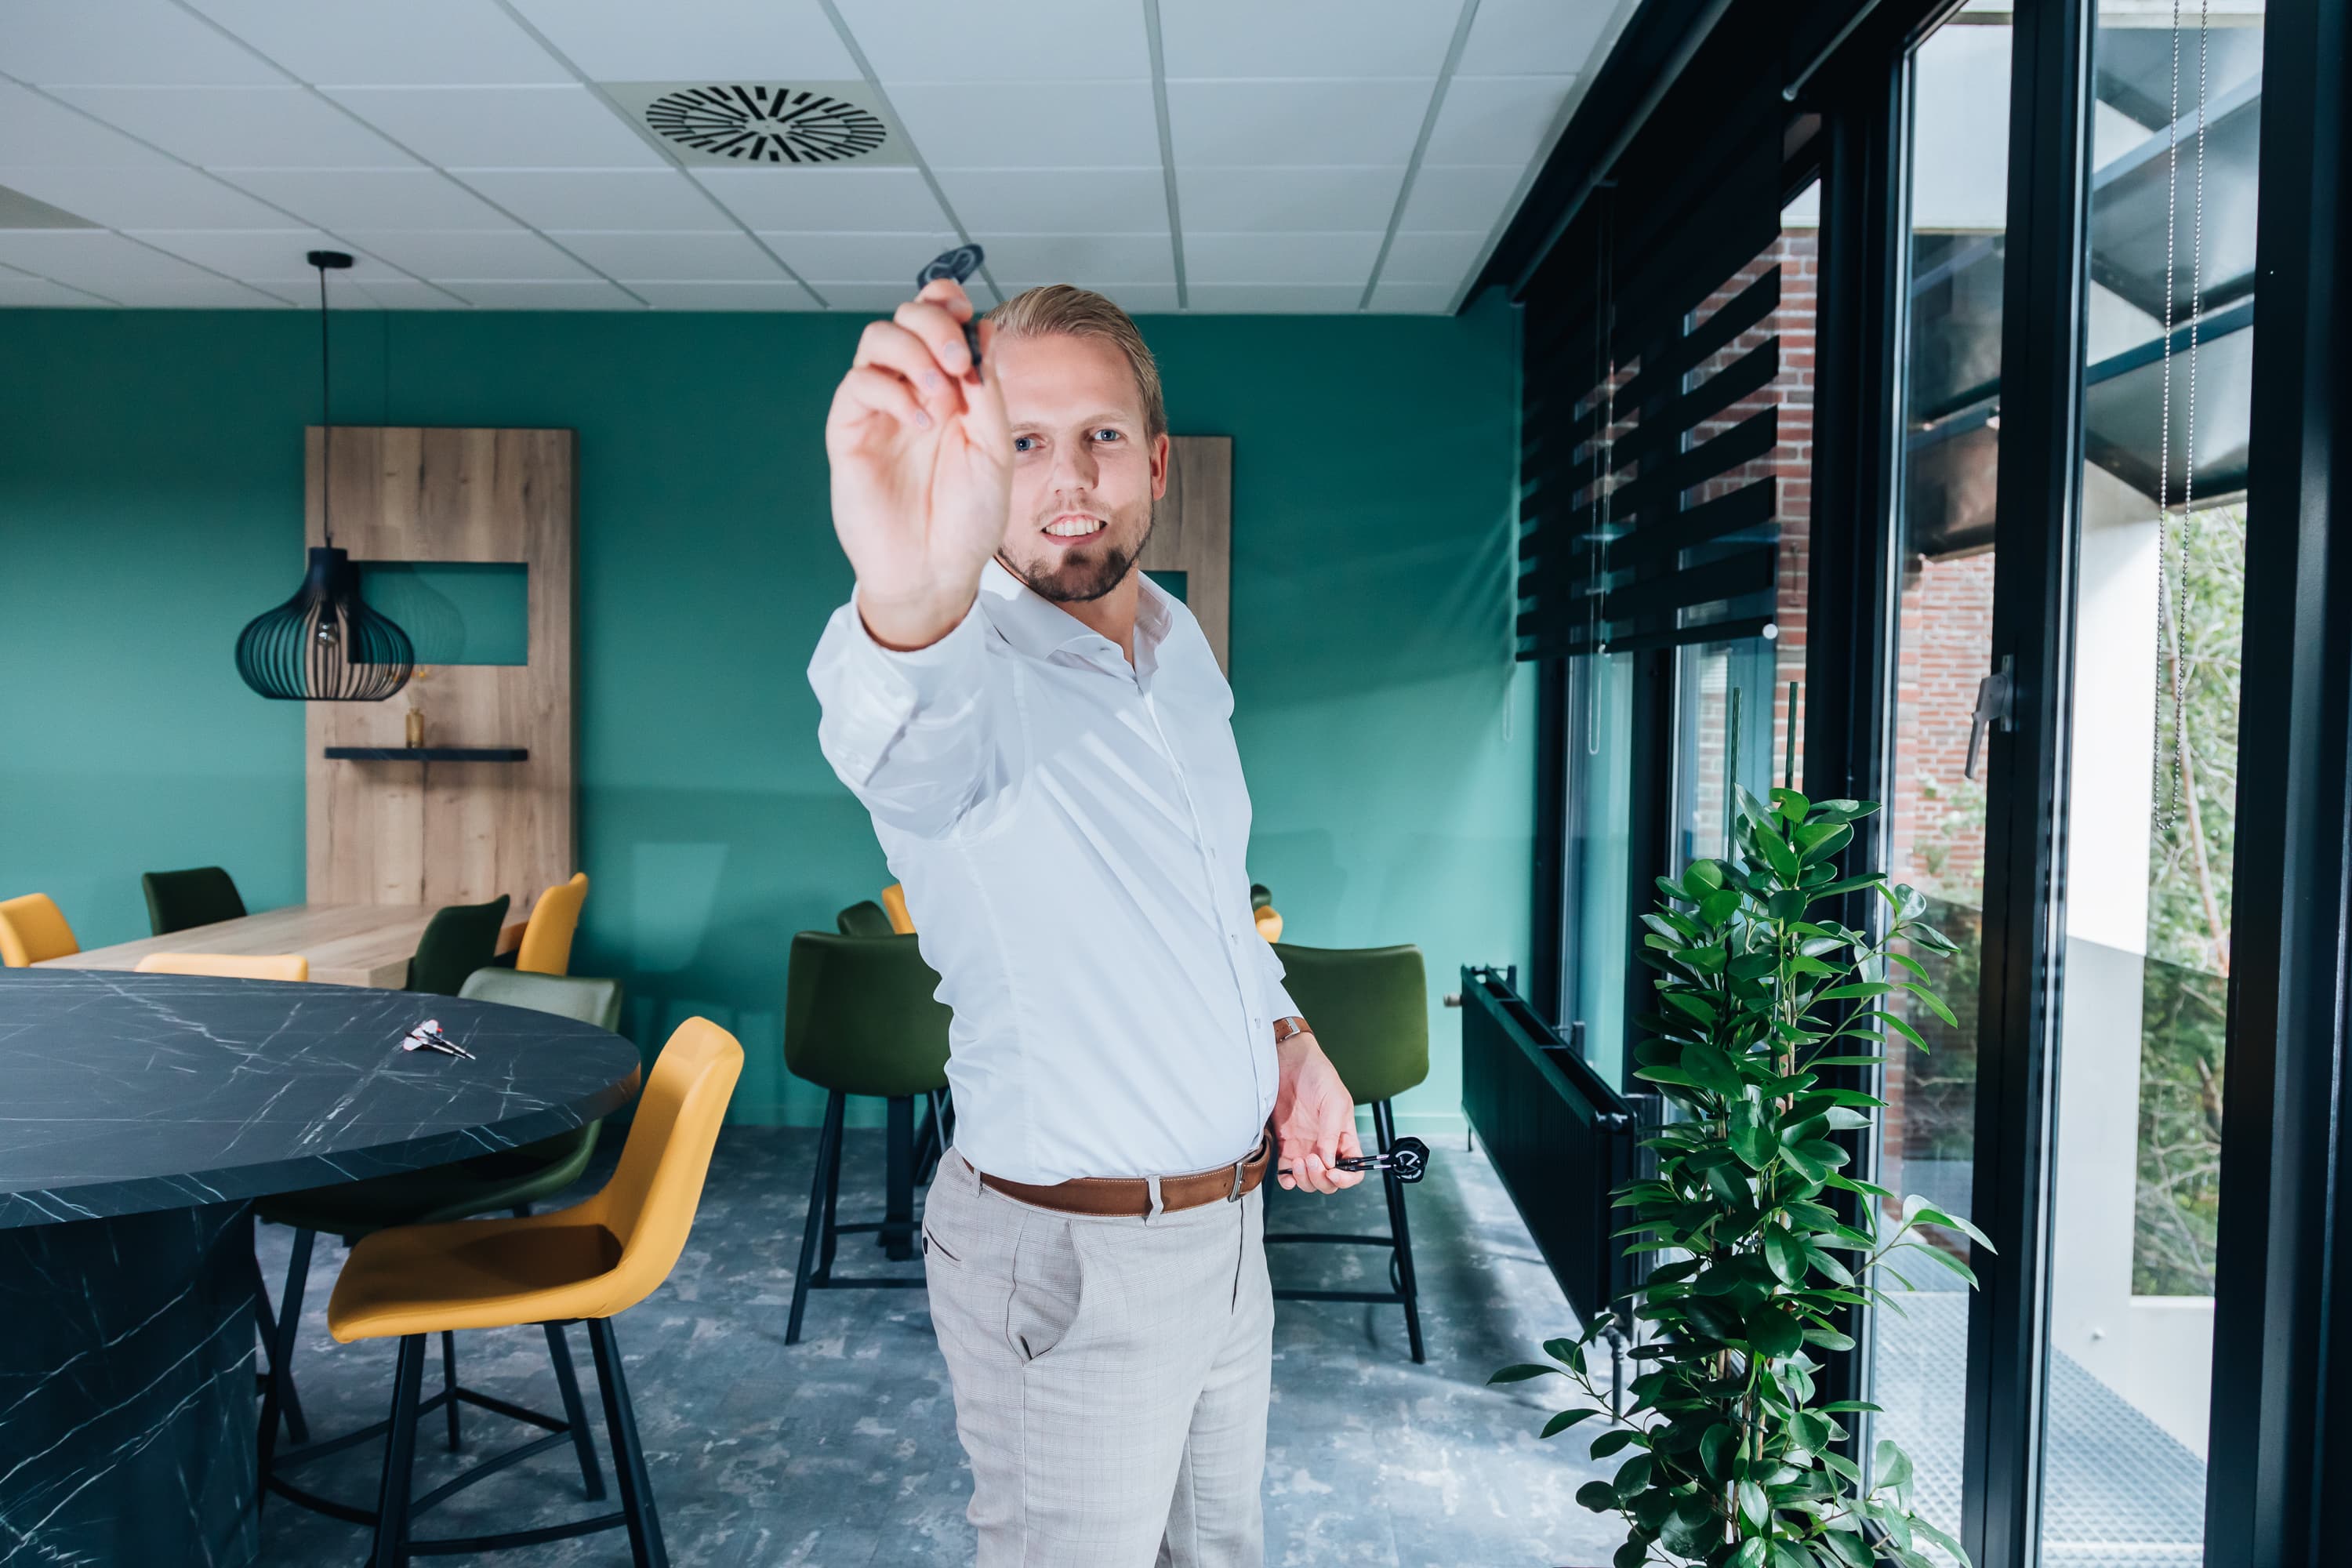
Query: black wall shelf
[{"x": 429, "y": 754}]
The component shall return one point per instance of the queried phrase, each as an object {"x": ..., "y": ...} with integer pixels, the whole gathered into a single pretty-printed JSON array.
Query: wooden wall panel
[
  {"x": 445, "y": 833},
  {"x": 1193, "y": 532}
]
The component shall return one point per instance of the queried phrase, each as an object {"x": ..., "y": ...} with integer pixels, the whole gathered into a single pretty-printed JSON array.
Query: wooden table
[{"x": 347, "y": 945}]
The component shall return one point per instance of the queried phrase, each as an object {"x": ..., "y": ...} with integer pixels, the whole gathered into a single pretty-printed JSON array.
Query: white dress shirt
[{"x": 1072, "y": 834}]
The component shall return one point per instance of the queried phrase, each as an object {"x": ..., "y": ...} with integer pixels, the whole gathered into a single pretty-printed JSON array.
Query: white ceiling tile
[
  {"x": 1496, "y": 119},
  {"x": 646, "y": 199},
  {"x": 1296, "y": 123},
  {"x": 922, "y": 40},
  {"x": 265, "y": 255},
  {"x": 824, "y": 258},
  {"x": 167, "y": 197},
  {"x": 35, "y": 130},
  {"x": 1548, "y": 37},
  {"x": 1276, "y": 298},
  {"x": 876, "y": 299},
  {"x": 1280, "y": 258},
  {"x": 462, "y": 253},
  {"x": 198, "y": 294},
  {"x": 676, "y": 257},
  {"x": 504, "y": 294},
  {"x": 1058, "y": 201},
  {"x": 782, "y": 295},
  {"x": 1461, "y": 195},
  {"x": 1135, "y": 299},
  {"x": 502, "y": 127},
  {"x": 681, "y": 40},
  {"x": 1414, "y": 299},
  {"x": 40, "y": 294},
  {"x": 284, "y": 127},
  {"x": 1249, "y": 198},
  {"x": 1432, "y": 257},
  {"x": 1090, "y": 261},
  {"x": 91, "y": 257},
  {"x": 396, "y": 294},
  {"x": 119, "y": 42},
  {"x": 858, "y": 201},
  {"x": 420, "y": 41},
  {"x": 1031, "y": 124},
  {"x": 1305, "y": 37},
  {"x": 371, "y": 198}
]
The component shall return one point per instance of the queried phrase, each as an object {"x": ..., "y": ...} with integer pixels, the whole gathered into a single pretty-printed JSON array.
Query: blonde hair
[{"x": 1070, "y": 312}]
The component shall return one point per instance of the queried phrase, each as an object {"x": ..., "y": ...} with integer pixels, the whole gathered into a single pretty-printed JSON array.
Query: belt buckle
[{"x": 1236, "y": 1195}]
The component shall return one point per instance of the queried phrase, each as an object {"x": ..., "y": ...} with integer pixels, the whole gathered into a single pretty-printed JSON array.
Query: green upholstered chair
[
  {"x": 456, "y": 942},
  {"x": 866, "y": 918},
  {"x": 502, "y": 1181},
  {"x": 1370, "y": 1010},
  {"x": 177, "y": 901},
  {"x": 860, "y": 1018}
]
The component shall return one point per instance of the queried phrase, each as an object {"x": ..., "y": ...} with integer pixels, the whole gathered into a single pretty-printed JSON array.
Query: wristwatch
[{"x": 1293, "y": 1024}]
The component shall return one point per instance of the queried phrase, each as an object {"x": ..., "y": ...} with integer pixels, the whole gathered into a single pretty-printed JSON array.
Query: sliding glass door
[{"x": 2060, "y": 758}]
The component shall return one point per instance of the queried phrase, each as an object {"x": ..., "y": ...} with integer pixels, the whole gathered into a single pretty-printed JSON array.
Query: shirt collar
[{"x": 1040, "y": 627}]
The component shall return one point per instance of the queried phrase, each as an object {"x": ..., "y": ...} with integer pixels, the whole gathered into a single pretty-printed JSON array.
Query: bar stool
[
  {"x": 503, "y": 1180},
  {"x": 588, "y": 1263},
  {"x": 1370, "y": 1010},
  {"x": 860, "y": 1018},
  {"x": 203, "y": 896}
]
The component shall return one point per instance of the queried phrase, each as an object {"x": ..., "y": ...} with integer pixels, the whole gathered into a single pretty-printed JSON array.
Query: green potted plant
[{"x": 1734, "y": 1455}]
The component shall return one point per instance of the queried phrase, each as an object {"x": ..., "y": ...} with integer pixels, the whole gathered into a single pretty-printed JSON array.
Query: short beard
[{"x": 1078, "y": 583}]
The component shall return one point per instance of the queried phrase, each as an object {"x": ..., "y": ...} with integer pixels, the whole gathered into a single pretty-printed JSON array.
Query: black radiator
[{"x": 1558, "y": 1134}]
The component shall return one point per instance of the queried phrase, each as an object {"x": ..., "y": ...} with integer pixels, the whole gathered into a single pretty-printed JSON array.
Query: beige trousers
[{"x": 1111, "y": 1376}]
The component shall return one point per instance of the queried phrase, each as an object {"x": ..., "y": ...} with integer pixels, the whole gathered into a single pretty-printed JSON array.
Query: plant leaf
[
  {"x": 1566, "y": 1419},
  {"x": 1521, "y": 1373},
  {"x": 1598, "y": 1496},
  {"x": 1786, "y": 1254}
]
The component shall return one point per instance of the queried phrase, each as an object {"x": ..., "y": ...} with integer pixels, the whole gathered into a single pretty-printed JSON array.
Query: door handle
[{"x": 1996, "y": 703}]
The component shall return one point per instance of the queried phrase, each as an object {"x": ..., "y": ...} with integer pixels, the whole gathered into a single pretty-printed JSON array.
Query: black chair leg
[
  {"x": 399, "y": 1457},
  {"x": 628, "y": 1455},
  {"x": 829, "y": 1238},
  {"x": 281, "y": 1350},
  {"x": 449, "y": 1383},
  {"x": 931, "y": 1139},
  {"x": 1384, "y": 1128},
  {"x": 897, "y": 1233},
  {"x": 575, "y": 1414},
  {"x": 289, "y": 1400},
  {"x": 806, "y": 1273}
]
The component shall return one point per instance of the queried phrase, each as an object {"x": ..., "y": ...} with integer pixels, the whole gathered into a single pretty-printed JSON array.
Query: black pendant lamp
[{"x": 325, "y": 645}]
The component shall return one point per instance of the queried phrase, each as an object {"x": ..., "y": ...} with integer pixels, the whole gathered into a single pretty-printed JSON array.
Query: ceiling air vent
[{"x": 770, "y": 124}]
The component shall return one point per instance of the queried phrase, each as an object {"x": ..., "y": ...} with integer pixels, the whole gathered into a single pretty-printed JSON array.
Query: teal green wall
[{"x": 149, "y": 503}]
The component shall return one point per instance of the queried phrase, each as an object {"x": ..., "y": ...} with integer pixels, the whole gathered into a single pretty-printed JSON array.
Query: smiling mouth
[{"x": 1074, "y": 529}]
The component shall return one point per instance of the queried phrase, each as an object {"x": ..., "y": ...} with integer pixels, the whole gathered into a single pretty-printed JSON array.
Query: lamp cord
[{"x": 327, "y": 423}]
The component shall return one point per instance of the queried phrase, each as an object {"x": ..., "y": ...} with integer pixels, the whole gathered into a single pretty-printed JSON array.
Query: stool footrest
[
  {"x": 1331, "y": 1236},
  {"x": 1376, "y": 1297},
  {"x": 558, "y": 1432},
  {"x": 450, "y": 1546},
  {"x": 868, "y": 1282}
]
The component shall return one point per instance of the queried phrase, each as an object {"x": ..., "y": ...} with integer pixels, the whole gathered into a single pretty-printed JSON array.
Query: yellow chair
[
  {"x": 590, "y": 1261},
  {"x": 228, "y": 965},
  {"x": 1269, "y": 921},
  {"x": 894, "y": 899},
  {"x": 547, "y": 940},
  {"x": 32, "y": 928}
]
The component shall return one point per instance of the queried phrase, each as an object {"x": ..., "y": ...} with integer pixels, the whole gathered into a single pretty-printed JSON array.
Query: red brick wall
[{"x": 1789, "y": 468}]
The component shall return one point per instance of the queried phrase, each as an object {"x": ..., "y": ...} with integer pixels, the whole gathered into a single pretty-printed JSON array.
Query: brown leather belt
[{"x": 1129, "y": 1197}]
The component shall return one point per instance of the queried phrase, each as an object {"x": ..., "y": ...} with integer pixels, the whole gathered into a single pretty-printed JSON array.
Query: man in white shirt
[{"x": 1043, "y": 739}]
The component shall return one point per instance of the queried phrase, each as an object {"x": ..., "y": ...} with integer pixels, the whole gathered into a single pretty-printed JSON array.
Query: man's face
[{"x": 1084, "y": 471}]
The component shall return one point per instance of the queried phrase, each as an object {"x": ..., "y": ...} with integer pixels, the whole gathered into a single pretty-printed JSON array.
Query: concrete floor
[{"x": 842, "y": 1451}]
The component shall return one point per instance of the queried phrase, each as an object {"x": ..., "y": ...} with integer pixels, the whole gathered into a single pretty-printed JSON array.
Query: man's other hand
[{"x": 1314, "y": 1119}]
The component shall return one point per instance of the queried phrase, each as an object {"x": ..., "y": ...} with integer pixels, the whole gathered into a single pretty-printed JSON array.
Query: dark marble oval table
[{"x": 139, "y": 1114}]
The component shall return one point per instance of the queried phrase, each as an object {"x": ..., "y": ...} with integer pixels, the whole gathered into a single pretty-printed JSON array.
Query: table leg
[{"x": 126, "y": 1388}]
